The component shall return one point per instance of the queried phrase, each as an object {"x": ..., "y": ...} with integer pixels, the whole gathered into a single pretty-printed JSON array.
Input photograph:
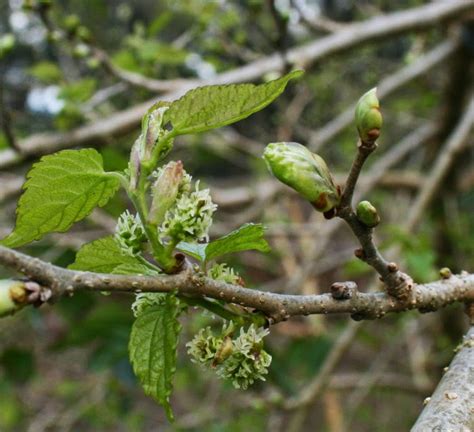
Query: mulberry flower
[
  {"x": 204, "y": 346},
  {"x": 190, "y": 218},
  {"x": 249, "y": 361},
  {"x": 224, "y": 273},
  {"x": 130, "y": 234}
]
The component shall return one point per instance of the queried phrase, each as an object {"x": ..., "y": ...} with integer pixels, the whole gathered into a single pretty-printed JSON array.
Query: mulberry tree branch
[
  {"x": 451, "y": 407},
  {"x": 277, "y": 307},
  {"x": 353, "y": 35}
]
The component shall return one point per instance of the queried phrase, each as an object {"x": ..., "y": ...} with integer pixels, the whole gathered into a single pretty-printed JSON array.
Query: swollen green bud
[
  {"x": 165, "y": 191},
  {"x": 368, "y": 117},
  {"x": 13, "y": 295},
  {"x": 153, "y": 131},
  {"x": 7, "y": 43},
  {"x": 367, "y": 214},
  {"x": 294, "y": 165}
]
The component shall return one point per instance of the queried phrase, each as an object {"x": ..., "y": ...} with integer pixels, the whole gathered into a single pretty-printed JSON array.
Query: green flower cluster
[
  {"x": 145, "y": 300},
  {"x": 225, "y": 274},
  {"x": 130, "y": 234},
  {"x": 190, "y": 218},
  {"x": 204, "y": 346},
  {"x": 242, "y": 360}
]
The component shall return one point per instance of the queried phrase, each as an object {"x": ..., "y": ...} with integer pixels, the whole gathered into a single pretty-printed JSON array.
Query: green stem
[
  {"x": 160, "y": 253},
  {"x": 216, "y": 309}
]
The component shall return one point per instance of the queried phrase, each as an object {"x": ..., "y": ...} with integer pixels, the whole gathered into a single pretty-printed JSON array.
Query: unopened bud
[
  {"x": 445, "y": 273},
  {"x": 134, "y": 166},
  {"x": 307, "y": 173},
  {"x": 152, "y": 132},
  {"x": 165, "y": 191},
  {"x": 368, "y": 117},
  {"x": 367, "y": 214},
  {"x": 13, "y": 296}
]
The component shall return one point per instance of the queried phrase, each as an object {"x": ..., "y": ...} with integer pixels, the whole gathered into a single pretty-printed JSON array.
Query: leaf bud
[
  {"x": 306, "y": 172},
  {"x": 367, "y": 214},
  {"x": 153, "y": 131},
  {"x": 368, "y": 117},
  {"x": 445, "y": 273},
  {"x": 165, "y": 191},
  {"x": 13, "y": 296}
]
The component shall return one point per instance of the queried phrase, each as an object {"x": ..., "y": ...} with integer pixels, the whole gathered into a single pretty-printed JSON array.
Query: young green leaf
[
  {"x": 247, "y": 237},
  {"x": 196, "y": 250},
  {"x": 152, "y": 349},
  {"x": 105, "y": 256},
  {"x": 61, "y": 189},
  {"x": 210, "y": 107}
]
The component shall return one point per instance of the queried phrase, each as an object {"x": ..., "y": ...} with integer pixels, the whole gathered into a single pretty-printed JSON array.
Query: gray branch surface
[
  {"x": 278, "y": 307},
  {"x": 451, "y": 408}
]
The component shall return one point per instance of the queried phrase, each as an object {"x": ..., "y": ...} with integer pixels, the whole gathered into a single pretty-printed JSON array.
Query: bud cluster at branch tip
[
  {"x": 367, "y": 214},
  {"x": 306, "y": 172},
  {"x": 368, "y": 117}
]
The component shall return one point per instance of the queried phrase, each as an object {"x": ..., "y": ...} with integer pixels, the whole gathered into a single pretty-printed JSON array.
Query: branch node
[
  {"x": 343, "y": 290},
  {"x": 392, "y": 267},
  {"x": 359, "y": 253}
]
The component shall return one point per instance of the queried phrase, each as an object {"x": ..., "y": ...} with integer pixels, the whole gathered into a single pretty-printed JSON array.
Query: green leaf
[
  {"x": 61, "y": 189},
  {"x": 210, "y": 107},
  {"x": 247, "y": 237},
  {"x": 105, "y": 256},
  {"x": 152, "y": 349},
  {"x": 196, "y": 250}
]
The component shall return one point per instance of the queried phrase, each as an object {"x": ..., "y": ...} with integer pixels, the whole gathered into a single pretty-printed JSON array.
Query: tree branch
[
  {"x": 353, "y": 35},
  {"x": 452, "y": 405},
  {"x": 277, "y": 307}
]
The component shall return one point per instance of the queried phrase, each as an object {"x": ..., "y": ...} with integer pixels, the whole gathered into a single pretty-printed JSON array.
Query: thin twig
[
  {"x": 354, "y": 35},
  {"x": 388, "y": 85}
]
